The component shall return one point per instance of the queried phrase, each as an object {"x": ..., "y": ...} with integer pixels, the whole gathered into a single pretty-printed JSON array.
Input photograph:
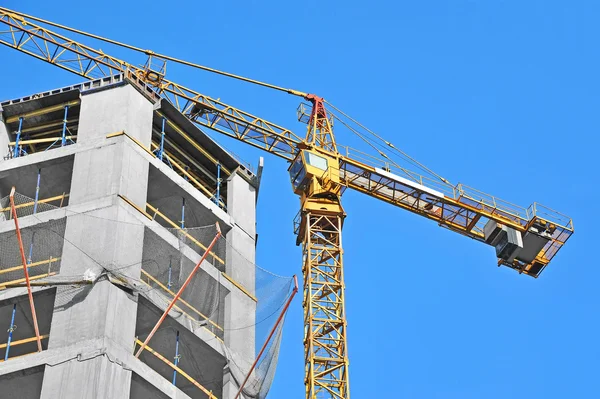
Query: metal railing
[
  {"x": 27, "y": 206},
  {"x": 175, "y": 368},
  {"x": 465, "y": 194},
  {"x": 211, "y": 326}
]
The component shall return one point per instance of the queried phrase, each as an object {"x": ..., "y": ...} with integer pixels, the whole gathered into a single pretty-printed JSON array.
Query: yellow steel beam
[
  {"x": 136, "y": 141},
  {"x": 42, "y": 201},
  {"x": 180, "y": 371},
  {"x": 135, "y": 206},
  {"x": 193, "y": 142},
  {"x": 189, "y": 316},
  {"x": 45, "y": 140},
  {"x": 29, "y": 265},
  {"x": 22, "y": 280},
  {"x": 239, "y": 286},
  {"x": 37, "y": 135},
  {"x": 23, "y": 341},
  {"x": 176, "y": 226},
  {"x": 42, "y": 111},
  {"x": 166, "y": 289},
  {"x": 46, "y": 126},
  {"x": 187, "y": 174},
  {"x": 175, "y": 164},
  {"x": 183, "y": 154}
]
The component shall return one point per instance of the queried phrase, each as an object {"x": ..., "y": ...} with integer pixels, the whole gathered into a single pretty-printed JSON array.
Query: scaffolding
[{"x": 187, "y": 295}]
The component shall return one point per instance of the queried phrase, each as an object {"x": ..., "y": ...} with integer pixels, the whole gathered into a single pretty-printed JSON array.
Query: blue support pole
[
  {"x": 176, "y": 358},
  {"x": 169, "y": 283},
  {"x": 63, "y": 141},
  {"x": 37, "y": 192},
  {"x": 218, "y": 193},
  {"x": 183, "y": 214},
  {"x": 162, "y": 140},
  {"x": 10, "y": 331},
  {"x": 29, "y": 260},
  {"x": 16, "y": 151}
]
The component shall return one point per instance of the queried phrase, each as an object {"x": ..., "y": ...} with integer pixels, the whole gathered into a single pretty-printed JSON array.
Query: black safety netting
[{"x": 231, "y": 304}]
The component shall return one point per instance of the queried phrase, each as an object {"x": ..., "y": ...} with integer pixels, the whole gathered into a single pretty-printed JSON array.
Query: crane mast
[
  {"x": 315, "y": 177},
  {"x": 525, "y": 239}
]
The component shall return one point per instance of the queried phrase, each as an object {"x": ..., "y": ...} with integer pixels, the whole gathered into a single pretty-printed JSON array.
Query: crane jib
[{"x": 467, "y": 211}]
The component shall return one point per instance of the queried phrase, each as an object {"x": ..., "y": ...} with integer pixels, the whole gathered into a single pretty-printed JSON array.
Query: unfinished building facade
[{"x": 117, "y": 197}]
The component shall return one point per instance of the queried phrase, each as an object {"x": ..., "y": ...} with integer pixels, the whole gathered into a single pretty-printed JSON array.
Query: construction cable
[
  {"x": 408, "y": 173},
  {"x": 389, "y": 144}
]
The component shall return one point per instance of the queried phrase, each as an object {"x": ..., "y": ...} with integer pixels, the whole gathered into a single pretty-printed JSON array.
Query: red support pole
[
  {"x": 24, "y": 260},
  {"x": 283, "y": 311},
  {"x": 176, "y": 297}
]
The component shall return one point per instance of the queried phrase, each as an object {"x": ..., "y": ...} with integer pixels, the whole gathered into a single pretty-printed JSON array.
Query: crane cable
[
  {"x": 408, "y": 173},
  {"x": 389, "y": 144},
  {"x": 373, "y": 145},
  {"x": 152, "y": 53}
]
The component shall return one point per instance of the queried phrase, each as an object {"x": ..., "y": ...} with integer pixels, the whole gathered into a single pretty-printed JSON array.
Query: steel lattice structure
[{"x": 325, "y": 353}]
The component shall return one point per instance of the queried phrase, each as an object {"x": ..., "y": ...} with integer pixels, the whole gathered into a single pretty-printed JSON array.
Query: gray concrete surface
[
  {"x": 117, "y": 109},
  {"x": 92, "y": 327},
  {"x": 241, "y": 252},
  {"x": 102, "y": 239}
]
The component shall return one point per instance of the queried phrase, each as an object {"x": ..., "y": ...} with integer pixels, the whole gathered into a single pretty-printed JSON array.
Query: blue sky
[{"x": 499, "y": 95}]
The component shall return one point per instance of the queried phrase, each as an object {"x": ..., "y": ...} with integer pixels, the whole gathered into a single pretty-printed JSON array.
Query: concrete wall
[
  {"x": 93, "y": 326},
  {"x": 105, "y": 239},
  {"x": 119, "y": 169},
  {"x": 109, "y": 111},
  {"x": 240, "y": 309}
]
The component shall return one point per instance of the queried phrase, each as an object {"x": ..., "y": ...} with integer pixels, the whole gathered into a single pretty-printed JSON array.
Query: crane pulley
[{"x": 525, "y": 239}]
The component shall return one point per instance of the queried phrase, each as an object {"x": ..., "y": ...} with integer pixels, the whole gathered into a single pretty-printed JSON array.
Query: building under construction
[
  {"x": 117, "y": 197},
  {"x": 137, "y": 234}
]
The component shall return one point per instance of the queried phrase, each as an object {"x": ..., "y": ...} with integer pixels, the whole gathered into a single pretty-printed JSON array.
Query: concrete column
[
  {"x": 241, "y": 205},
  {"x": 107, "y": 238},
  {"x": 110, "y": 111},
  {"x": 110, "y": 171},
  {"x": 240, "y": 309}
]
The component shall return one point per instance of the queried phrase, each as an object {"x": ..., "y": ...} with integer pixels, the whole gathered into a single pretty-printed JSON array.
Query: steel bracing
[{"x": 325, "y": 353}]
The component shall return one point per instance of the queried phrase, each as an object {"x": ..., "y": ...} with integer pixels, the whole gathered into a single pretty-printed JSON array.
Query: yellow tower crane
[{"x": 525, "y": 239}]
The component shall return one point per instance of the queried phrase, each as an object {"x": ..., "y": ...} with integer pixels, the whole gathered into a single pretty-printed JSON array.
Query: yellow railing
[
  {"x": 152, "y": 216},
  {"x": 22, "y": 280},
  {"x": 44, "y": 140},
  {"x": 172, "y": 159},
  {"x": 48, "y": 262},
  {"x": 172, "y": 294},
  {"x": 177, "y": 165},
  {"x": 21, "y": 342},
  {"x": 42, "y": 201},
  {"x": 156, "y": 212},
  {"x": 174, "y": 367}
]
